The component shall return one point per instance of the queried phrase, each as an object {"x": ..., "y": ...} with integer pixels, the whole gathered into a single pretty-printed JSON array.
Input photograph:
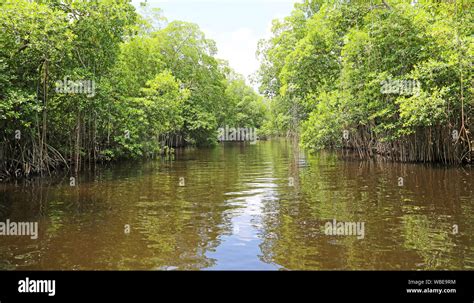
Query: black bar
[{"x": 308, "y": 286}]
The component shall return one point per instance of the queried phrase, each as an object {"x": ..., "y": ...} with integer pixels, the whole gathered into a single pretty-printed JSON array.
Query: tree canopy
[
  {"x": 328, "y": 65},
  {"x": 86, "y": 81}
]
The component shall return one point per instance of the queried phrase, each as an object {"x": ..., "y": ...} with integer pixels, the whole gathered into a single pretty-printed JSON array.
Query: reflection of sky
[{"x": 241, "y": 249}]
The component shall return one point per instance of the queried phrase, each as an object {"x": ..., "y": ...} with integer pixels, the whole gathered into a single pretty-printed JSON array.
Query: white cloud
[{"x": 239, "y": 47}]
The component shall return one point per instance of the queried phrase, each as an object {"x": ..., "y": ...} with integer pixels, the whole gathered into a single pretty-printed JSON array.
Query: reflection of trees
[
  {"x": 171, "y": 226},
  {"x": 406, "y": 227},
  {"x": 394, "y": 217},
  {"x": 430, "y": 239},
  {"x": 19, "y": 202}
]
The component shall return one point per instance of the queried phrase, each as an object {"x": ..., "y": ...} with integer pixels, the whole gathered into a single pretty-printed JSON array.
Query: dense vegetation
[
  {"x": 87, "y": 81},
  {"x": 390, "y": 78}
]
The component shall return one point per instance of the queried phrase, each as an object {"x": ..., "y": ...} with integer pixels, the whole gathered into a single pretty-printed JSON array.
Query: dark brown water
[{"x": 239, "y": 209}]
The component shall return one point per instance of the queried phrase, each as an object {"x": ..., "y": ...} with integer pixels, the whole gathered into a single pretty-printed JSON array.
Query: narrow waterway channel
[{"x": 243, "y": 206}]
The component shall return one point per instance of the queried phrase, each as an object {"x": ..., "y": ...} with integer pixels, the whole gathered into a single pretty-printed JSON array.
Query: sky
[{"x": 235, "y": 25}]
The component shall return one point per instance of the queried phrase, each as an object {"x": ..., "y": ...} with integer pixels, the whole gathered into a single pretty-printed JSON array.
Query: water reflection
[{"x": 244, "y": 206}]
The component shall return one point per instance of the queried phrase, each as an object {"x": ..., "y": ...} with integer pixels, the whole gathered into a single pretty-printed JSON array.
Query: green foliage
[
  {"x": 243, "y": 107},
  {"x": 155, "y": 85},
  {"x": 326, "y": 71},
  {"x": 325, "y": 125}
]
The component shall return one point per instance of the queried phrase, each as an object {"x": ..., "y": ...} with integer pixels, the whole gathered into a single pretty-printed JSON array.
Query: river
[{"x": 242, "y": 206}]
